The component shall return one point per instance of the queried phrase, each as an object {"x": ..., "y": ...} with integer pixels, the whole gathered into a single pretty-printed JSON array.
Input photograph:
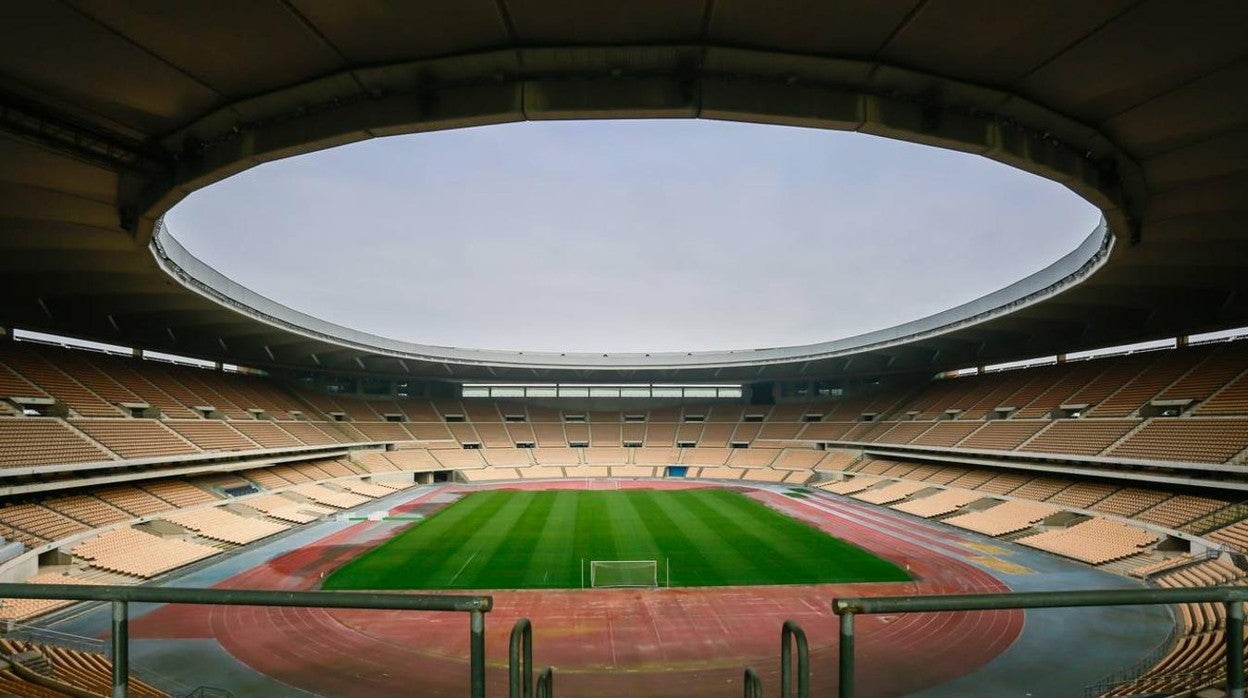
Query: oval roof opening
[{"x": 629, "y": 236}]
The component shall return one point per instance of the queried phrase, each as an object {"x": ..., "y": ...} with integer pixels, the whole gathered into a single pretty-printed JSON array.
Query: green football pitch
[{"x": 507, "y": 539}]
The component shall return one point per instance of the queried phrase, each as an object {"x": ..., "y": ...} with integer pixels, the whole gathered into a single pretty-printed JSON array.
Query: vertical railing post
[
  {"x": 520, "y": 660},
  {"x": 1235, "y": 649},
  {"x": 546, "y": 683},
  {"x": 121, "y": 649},
  {"x": 792, "y": 632},
  {"x": 846, "y": 679},
  {"x": 477, "y": 653},
  {"x": 753, "y": 685}
]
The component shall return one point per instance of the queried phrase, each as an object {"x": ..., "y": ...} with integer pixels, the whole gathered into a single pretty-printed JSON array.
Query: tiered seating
[
  {"x": 903, "y": 432},
  {"x": 312, "y": 471},
  {"x": 76, "y": 365},
  {"x": 1162, "y": 565},
  {"x": 1002, "y": 435},
  {"x": 1177, "y": 511},
  {"x": 1082, "y": 437},
  {"x": 201, "y": 382},
  {"x": 818, "y": 431},
  {"x": 138, "y": 554},
  {"x": 212, "y": 435},
  {"x": 837, "y": 460},
  {"x": 490, "y": 475},
  {"x": 265, "y": 478},
  {"x": 308, "y": 433},
  {"x": 218, "y": 524},
  {"x": 87, "y": 509},
  {"x": 1232, "y": 399},
  {"x": 1167, "y": 368},
  {"x": 266, "y": 434},
  {"x": 418, "y": 460},
  {"x": 1082, "y": 495},
  {"x": 671, "y": 456},
  {"x": 281, "y": 508},
  {"x": 1129, "y": 501},
  {"x": 891, "y": 493},
  {"x": 946, "y": 433},
  {"x": 1008, "y": 517},
  {"x": 1217, "y": 370},
  {"x": 553, "y": 455},
  {"x": 493, "y": 435},
  {"x": 797, "y": 459},
  {"x": 1180, "y": 439},
  {"x": 383, "y": 431},
  {"x": 135, "y": 438},
  {"x": 1235, "y": 535},
  {"x": 133, "y": 500},
  {"x": 35, "y": 369},
  {"x": 289, "y": 473},
  {"x": 1201, "y": 643},
  {"x": 1062, "y": 383},
  {"x": 1095, "y": 541},
  {"x": 133, "y": 375},
  {"x": 26, "y": 442},
  {"x": 1117, "y": 374},
  {"x": 939, "y": 504},
  {"x": 366, "y": 489},
  {"x": 1004, "y": 483},
  {"x": 850, "y": 486},
  {"x": 12, "y": 384},
  {"x": 1041, "y": 488},
  {"x": 178, "y": 493},
  {"x": 549, "y": 434},
  {"x": 40, "y": 523},
  {"x": 751, "y": 457},
  {"x": 24, "y": 609},
  {"x": 73, "y": 672},
  {"x": 324, "y": 495}
]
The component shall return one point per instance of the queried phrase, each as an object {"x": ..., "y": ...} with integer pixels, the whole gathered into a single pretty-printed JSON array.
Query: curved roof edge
[{"x": 192, "y": 273}]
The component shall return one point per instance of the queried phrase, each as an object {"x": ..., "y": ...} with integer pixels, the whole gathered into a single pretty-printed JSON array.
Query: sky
[{"x": 621, "y": 236}]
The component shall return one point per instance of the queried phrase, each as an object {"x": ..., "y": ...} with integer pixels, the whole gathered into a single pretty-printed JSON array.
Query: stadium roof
[{"x": 112, "y": 112}]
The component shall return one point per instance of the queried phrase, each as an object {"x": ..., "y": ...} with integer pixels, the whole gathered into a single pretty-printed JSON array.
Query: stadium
[{"x": 207, "y": 492}]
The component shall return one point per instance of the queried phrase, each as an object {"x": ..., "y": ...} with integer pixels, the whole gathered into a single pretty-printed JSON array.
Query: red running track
[{"x": 689, "y": 643}]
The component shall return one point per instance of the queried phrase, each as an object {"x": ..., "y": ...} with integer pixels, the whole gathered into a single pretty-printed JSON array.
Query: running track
[{"x": 613, "y": 643}]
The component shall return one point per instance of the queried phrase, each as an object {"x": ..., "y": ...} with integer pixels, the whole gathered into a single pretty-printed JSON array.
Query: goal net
[{"x": 623, "y": 573}]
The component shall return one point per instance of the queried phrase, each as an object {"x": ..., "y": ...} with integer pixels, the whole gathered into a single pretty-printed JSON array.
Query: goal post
[{"x": 614, "y": 574}]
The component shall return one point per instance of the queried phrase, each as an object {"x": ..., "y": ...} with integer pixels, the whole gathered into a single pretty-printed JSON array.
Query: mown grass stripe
[
  {"x": 693, "y": 568},
  {"x": 551, "y": 559},
  {"x": 729, "y": 561},
  {"x": 538, "y": 539}
]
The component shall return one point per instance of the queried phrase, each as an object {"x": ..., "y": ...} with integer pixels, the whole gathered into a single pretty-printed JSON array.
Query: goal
[{"x": 606, "y": 574}]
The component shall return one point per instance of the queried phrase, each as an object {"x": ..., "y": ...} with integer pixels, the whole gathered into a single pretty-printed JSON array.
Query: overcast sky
[{"x": 605, "y": 236}]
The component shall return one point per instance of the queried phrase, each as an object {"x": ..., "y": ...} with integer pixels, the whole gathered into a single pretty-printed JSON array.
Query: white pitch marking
[{"x": 461, "y": 569}]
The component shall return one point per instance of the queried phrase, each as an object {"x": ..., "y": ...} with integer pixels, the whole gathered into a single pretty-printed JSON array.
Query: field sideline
[{"x": 507, "y": 539}]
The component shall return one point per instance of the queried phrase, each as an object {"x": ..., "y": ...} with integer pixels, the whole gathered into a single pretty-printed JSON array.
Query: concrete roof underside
[{"x": 111, "y": 112}]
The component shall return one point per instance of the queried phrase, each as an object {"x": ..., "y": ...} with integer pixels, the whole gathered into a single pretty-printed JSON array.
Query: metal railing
[
  {"x": 1232, "y": 597},
  {"x": 122, "y": 596},
  {"x": 790, "y": 634},
  {"x": 520, "y": 665},
  {"x": 753, "y": 685}
]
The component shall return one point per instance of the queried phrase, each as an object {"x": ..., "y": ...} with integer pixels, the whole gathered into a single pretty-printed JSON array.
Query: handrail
[
  {"x": 520, "y": 665},
  {"x": 121, "y": 596},
  {"x": 520, "y": 660},
  {"x": 1232, "y": 597},
  {"x": 791, "y": 633},
  {"x": 753, "y": 685}
]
